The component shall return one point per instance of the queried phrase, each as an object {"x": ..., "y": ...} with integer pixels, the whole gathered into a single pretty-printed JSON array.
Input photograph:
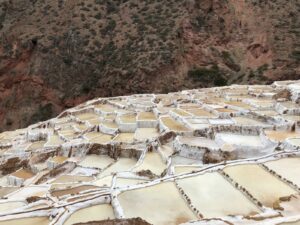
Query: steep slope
[{"x": 57, "y": 53}]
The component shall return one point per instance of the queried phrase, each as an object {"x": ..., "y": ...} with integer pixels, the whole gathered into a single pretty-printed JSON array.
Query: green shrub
[{"x": 208, "y": 75}]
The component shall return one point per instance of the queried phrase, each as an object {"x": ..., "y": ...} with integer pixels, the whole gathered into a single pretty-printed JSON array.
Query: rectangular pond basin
[
  {"x": 27, "y": 221},
  {"x": 173, "y": 125},
  {"x": 288, "y": 168},
  {"x": 144, "y": 203},
  {"x": 152, "y": 162},
  {"x": 92, "y": 213},
  {"x": 72, "y": 179},
  {"x": 96, "y": 161},
  {"x": 281, "y": 135},
  {"x": 143, "y": 134},
  {"x": 211, "y": 194},
  {"x": 123, "y": 164},
  {"x": 99, "y": 138},
  {"x": 124, "y": 137},
  {"x": 261, "y": 184}
]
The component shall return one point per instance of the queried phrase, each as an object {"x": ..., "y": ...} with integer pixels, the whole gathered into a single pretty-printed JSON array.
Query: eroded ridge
[{"x": 227, "y": 155}]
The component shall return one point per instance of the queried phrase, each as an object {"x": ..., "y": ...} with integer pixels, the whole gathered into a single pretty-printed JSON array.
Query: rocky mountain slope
[{"x": 57, "y": 53}]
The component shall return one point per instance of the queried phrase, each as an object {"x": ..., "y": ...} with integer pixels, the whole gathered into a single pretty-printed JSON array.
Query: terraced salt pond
[
  {"x": 100, "y": 138},
  {"x": 123, "y": 182},
  {"x": 123, "y": 164},
  {"x": 96, "y": 161},
  {"x": 152, "y": 162},
  {"x": 281, "y": 135},
  {"x": 262, "y": 185},
  {"x": 143, "y": 134},
  {"x": 124, "y": 137},
  {"x": 288, "y": 168},
  {"x": 93, "y": 213},
  {"x": 172, "y": 208},
  {"x": 27, "y": 221},
  {"x": 71, "y": 179},
  {"x": 221, "y": 192},
  {"x": 173, "y": 125},
  {"x": 222, "y": 155},
  {"x": 10, "y": 206}
]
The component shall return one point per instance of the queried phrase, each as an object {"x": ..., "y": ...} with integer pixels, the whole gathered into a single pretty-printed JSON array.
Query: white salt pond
[
  {"x": 96, "y": 161},
  {"x": 103, "y": 182},
  {"x": 198, "y": 142},
  {"x": 244, "y": 121},
  {"x": 261, "y": 184},
  {"x": 241, "y": 140},
  {"x": 144, "y": 203},
  {"x": 93, "y": 213},
  {"x": 294, "y": 141},
  {"x": 27, "y": 221},
  {"x": 185, "y": 169},
  {"x": 124, "y": 137},
  {"x": 210, "y": 194},
  {"x": 180, "y": 160},
  {"x": 8, "y": 206},
  {"x": 123, "y": 182},
  {"x": 153, "y": 162},
  {"x": 97, "y": 137},
  {"x": 71, "y": 179},
  {"x": 288, "y": 168},
  {"x": 123, "y": 164},
  {"x": 143, "y": 134}
]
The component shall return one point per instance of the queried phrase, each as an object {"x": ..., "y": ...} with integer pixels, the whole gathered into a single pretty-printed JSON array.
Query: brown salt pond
[
  {"x": 73, "y": 190},
  {"x": 87, "y": 116},
  {"x": 23, "y": 173},
  {"x": 198, "y": 112},
  {"x": 58, "y": 159},
  {"x": 239, "y": 104},
  {"x": 6, "y": 190},
  {"x": 173, "y": 124},
  {"x": 71, "y": 179},
  {"x": 261, "y": 184},
  {"x": 36, "y": 145},
  {"x": 97, "y": 137},
  {"x": 146, "y": 116},
  {"x": 128, "y": 118},
  {"x": 281, "y": 135},
  {"x": 92, "y": 213},
  {"x": 144, "y": 201},
  {"x": 181, "y": 112},
  {"x": 27, "y": 221}
]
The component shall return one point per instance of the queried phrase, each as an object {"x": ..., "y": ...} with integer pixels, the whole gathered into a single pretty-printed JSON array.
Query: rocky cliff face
[{"x": 57, "y": 53}]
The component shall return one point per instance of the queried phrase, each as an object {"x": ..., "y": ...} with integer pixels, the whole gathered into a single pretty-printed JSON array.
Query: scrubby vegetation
[{"x": 208, "y": 75}]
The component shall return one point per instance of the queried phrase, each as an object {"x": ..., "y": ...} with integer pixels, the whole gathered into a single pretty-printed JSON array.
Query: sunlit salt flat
[
  {"x": 262, "y": 185},
  {"x": 211, "y": 193},
  {"x": 172, "y": 208}
]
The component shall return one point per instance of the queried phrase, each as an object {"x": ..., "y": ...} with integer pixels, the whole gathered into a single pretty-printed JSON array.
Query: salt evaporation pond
[
  {"x": 144, "y": 201},
  {"x": 262, "y": 185},
  {"x": 211, "y": 193},
  {"x": 93, "y": 213}
]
